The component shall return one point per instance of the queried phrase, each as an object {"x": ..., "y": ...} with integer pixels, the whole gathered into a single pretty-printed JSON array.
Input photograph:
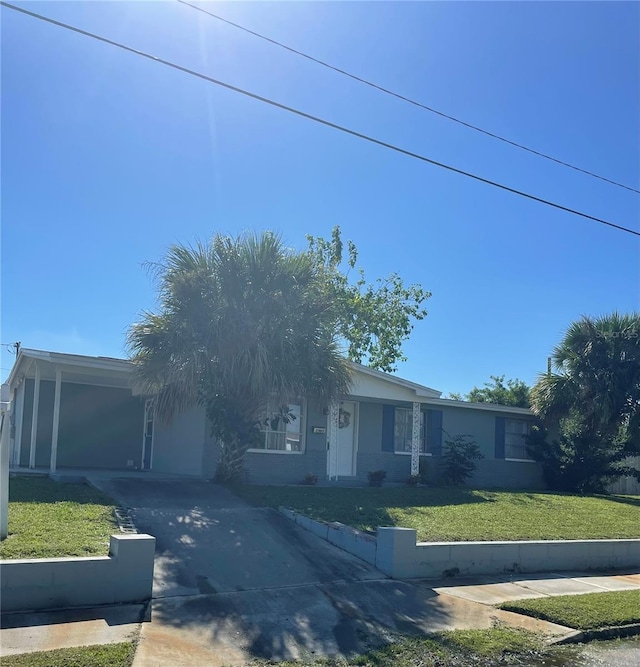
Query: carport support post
[
  {"x": 415, "y": 440},
  {"x": 19, "y": 417},
  {"x": 56, "y": 422},
  {"x": 34, "y": 418},
  {"x": 4, "y": 471},
  {"x": 334, "y": 418}
]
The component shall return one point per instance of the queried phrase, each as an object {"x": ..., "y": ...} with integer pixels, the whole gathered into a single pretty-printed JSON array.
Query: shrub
[
  {"x": 376, "y": 477},
  {"x": 577, "y": 461},
  {"x": 413, "y": 480},
  {"x": 458, "y": 460},
  {"x": 310, "y": 479}
]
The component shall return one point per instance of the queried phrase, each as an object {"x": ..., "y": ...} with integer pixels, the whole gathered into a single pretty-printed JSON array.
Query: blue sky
[{"x": 108, "y": 158}]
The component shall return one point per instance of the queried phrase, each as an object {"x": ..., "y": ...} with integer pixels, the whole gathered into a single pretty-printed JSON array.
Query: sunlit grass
[
  {"x": 459, "y": 514},
  {"x": 583, "y": 612},
  {"x": 106, "y": 655},
  {"x": 49, "y": 519}
]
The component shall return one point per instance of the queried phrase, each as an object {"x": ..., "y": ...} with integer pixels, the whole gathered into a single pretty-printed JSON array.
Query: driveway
[
  {"x": 234, "y": 582},
  {"x": 210, "y": 541}
]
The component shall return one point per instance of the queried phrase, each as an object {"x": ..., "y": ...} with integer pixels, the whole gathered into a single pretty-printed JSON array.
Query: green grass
[
  {"x": 459, "y": 648},
  {"x": 446, "y": 514},
  {"x": 49, "y": 520},
  {"x": 583, "y": 612},
  {"x": 107, "y": 655}
]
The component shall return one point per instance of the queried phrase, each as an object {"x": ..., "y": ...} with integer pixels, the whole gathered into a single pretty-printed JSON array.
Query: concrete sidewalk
[
  {"x": 496, "y": 590},
  {"x": 293, "y": 622}
]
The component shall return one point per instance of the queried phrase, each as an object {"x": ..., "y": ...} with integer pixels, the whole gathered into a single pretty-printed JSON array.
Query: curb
[{"x": 615, "y": 632}]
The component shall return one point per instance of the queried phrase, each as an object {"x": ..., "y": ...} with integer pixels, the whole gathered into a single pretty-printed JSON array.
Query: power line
[
  {"x": 399, "y": 96},
  {"x": 316, "y": 119}
]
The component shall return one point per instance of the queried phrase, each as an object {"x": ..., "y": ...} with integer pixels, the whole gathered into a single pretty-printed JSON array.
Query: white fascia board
[
  {"x": 26, "y": 357},
  {"x": 492, "y": 407},
  {"x": 419, "y": 389},
  {"x": 106, "y": 363},
  {"x": 14, "y": 371}
]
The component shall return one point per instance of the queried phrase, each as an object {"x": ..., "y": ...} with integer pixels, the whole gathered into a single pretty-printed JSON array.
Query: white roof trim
[
  {"x": 493, "y": 407},
  {"x": 420, "y": 390},
  {"x": 96, "y": 363},
  {"x": 430, "y": 396}
]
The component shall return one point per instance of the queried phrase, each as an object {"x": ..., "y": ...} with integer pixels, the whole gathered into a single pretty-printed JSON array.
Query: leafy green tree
[
  {"x": 373, "y": 319},
  {"x": 514, "y": 393},
  {"x": 590, "y": 404},
  {"x": 239, "y": 320},
  {"x": 242, "y": 320}
]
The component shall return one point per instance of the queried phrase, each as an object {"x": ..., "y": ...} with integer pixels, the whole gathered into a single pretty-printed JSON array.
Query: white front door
[{"x": 346, "y": 459}]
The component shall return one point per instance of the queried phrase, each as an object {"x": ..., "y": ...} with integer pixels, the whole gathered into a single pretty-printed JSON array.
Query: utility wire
[
  {"x": 406, "y": 99},
  {"x": 316, "y": 119}
]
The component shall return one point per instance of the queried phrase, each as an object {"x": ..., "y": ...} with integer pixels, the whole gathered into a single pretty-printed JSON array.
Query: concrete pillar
[
  {"x": 34, "y": 418},
  {"x": 4, "y": 470},
  {"x": 415, "y": 440},
  {"x": 19, "y": 419},
  {"x": 56, "y": 422},
  {"x": 396, "y": 551}
]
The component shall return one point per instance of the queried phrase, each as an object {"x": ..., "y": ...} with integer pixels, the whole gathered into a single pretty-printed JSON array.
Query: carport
[{"x": 73, "y": 411}]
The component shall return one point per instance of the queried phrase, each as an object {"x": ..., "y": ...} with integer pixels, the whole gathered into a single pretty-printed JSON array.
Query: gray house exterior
[{"x": 72, "y": 411}]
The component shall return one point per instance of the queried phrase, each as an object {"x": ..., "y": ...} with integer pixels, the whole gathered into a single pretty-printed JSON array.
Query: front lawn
[
  {"x": 49, "y": 519},
  {"x": 583, "y": 612},
  {"x": 458, "y": 514},
  {"x": 107, "y": 655}
]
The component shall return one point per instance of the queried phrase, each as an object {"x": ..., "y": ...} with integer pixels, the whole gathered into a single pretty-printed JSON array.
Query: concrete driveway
[
  {"x": 210, "y": 541},
  {"x": 234, "y": 582}
]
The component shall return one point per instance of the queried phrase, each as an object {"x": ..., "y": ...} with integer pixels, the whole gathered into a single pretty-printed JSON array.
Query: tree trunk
[{"x": 231, "y": 462}]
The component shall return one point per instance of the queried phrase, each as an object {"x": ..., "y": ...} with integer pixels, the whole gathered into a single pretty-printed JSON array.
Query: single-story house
[{"x": 73, "y": 411}]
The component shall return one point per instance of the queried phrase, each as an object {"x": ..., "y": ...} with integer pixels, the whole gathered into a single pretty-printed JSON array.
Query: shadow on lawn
[
  {"x": 44, "y": 490},
  {"x": 363, "y": 507},
  {"x": 625, "y": 500}
]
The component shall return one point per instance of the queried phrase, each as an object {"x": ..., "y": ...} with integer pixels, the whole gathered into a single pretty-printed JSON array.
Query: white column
[
  {"x": 56, "y": 422},
  {"x": 4, "y": 472},
  {"x": 19, "y": 418},
  {"x": 334, "y": 414},
  {"x": 415, "y": 440},
  {"x": 34, "y": 418}
]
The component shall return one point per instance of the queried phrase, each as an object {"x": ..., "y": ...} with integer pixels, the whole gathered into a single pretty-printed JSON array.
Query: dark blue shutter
[
  {"x": 388, "y": 419},
  {"x": 434, "y": 432},
  {"x": 499, "y": 453}
]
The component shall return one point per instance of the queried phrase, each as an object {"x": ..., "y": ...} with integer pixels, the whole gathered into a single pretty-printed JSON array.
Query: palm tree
[
  {"x": 241, "y": 320},
  {"x": 592, "y": 400}
]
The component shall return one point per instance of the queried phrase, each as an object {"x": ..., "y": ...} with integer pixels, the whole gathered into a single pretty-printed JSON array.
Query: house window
[
  {"x": 515, "y": 446},
  {"x": 282, "y": 427},
  {"x": 403, "y": 429}
]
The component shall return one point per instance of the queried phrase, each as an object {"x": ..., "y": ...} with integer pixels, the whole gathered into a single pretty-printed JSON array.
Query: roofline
[
  {"x": 124, "y": 365},
  {"x": 86, "y": 361},
  {"x": 493, "y": 407},
  {"x": 420, "y": 389}
]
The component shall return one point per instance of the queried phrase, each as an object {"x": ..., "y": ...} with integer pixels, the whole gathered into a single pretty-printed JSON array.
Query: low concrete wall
[
  {"x": 395, "y": 552},
  {"x": 125, "y": 575},
  {"x": 399, "y": 556},
  {"x": 362, "y": 545}
]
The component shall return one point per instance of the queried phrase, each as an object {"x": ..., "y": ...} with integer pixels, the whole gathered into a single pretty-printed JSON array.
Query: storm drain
[{"x": 125, "y": 522}]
